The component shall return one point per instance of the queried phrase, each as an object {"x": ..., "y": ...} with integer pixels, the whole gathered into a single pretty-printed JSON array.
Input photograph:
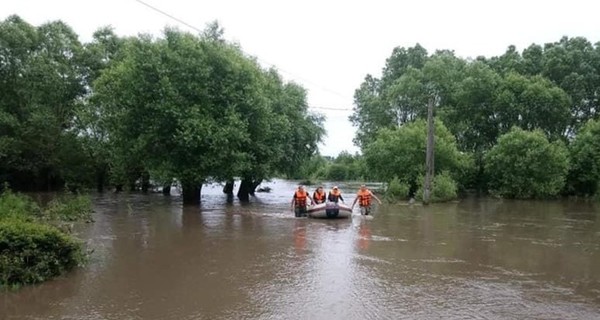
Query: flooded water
[{"x": 474, "y": 259}]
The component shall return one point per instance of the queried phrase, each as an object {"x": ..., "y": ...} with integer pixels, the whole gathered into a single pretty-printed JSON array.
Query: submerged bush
[
  {"x": 396, "y": 190},
  {"x": 33, "y": 252},
  {"x": 444, "y": 188},
  {"x": 71, "y": 208},
  {"x": 17, "y": 206}
]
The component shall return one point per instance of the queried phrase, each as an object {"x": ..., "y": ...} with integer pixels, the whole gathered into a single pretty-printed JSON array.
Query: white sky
[{"x": 329, "y": 46}]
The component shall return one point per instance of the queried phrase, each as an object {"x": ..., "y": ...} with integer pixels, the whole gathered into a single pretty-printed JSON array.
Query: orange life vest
[
  {"x": 364, "y": 198},
  {"x": 300, "y": 197},
  {"x": 319, "y": 197},
  {"x": 334, "y": 195}
]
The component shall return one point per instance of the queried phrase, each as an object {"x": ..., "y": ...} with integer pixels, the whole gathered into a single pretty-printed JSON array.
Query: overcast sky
[{"x": 329, "y": 46}]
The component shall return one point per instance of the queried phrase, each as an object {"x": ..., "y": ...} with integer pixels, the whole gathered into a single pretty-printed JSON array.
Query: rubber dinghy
[{"x": 330, "y": 210}]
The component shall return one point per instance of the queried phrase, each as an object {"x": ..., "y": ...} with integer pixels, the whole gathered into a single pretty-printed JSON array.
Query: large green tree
[
  {"x": 197, "y": 109},
  {"x": 171, "y": 105},
  {"x": 524, "y": 164},
  {"x": 401, "y": 153},
  {"x": 40, "y": 84}
]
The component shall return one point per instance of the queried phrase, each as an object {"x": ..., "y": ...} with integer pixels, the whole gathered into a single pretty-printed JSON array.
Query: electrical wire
[{"x": 296, "y": 77}]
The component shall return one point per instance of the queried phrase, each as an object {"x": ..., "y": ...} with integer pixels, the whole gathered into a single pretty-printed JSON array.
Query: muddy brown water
[{"x": 474, "y": 259}]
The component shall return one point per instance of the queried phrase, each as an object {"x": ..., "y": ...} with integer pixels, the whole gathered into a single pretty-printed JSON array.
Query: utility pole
[{"x": 429, "y": 156}]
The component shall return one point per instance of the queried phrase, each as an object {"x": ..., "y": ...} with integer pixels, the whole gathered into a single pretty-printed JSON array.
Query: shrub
[
  {"x": 444, "y": 188},
  {"x": 396, "y": 190},
  {"x": 69, "y": 208},
  {"x": 524, "y": 164},
  {"x": 33, "y": 252},
  {"x": 17, "y": 206},
  {"x": 337, "y": 172},
  {"x": 584, "y": 174},
  {"x": 401, "y": 152}
]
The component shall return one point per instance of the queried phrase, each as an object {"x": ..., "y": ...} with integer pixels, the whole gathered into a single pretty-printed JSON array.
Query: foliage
[
  {"x": 524, "y": 164},
  {"x": 196, "y": 109},
  {"x": 312, "y": 169},
  {"x": 69, "y": 208},
  {"x": 17, "y": 206},
  {"x": 344, "y": 167},
  {"x": 401, "y": 153},
  {"x": 33, "y": 252},
  {"x": 444, "y": 188},
  {"x": 337, "y": 172},
  {"x": 122, "y": 110},
  {"x": 396, "y": 190},
  {"x": 40, "y": 83},
  {"x": 584, "y": 174},
  {"x": 480, "y": 100}
]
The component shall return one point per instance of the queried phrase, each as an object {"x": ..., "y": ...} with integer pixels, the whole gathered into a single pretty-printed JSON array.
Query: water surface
[{"x": 473, "y": 259}]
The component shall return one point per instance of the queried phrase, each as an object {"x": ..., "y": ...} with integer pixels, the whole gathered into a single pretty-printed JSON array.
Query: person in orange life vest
[
  {"x": 363, "y": 196},
  {"x": 319, "y": 196},
  {"x": 299, "y": 201},
  {"x": 335, "y": 195}
]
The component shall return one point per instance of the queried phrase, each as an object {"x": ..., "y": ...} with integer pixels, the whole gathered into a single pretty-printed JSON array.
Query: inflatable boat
[{"x": 329, "y": 210}]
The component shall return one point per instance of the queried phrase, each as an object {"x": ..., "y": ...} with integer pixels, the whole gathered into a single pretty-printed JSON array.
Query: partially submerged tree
[{"x": 524, "y": 164}]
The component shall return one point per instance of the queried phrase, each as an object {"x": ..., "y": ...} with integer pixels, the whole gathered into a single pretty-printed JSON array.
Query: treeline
[
  {"x": 523, "y": 124},
  {"x": 127, "y": 111},
  {"x": 343, "y": 167}
]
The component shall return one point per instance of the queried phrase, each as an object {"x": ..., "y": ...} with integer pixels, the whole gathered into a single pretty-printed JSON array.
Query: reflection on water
[{"x": 475, "y": 259}]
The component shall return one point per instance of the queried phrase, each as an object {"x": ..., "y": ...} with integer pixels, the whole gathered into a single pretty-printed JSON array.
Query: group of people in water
[{"x": 301, "y": 198}]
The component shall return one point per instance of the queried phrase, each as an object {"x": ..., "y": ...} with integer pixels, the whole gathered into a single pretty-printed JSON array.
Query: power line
[
  {"x": 168, "y": 15},
  {"x": 257, "y": 58},
  {"x": 331, "y": 108}
]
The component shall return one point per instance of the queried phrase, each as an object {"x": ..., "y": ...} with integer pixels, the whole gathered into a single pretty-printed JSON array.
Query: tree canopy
[
  {"x": 194, "y": 108},
  {"x": 552, "y": 89}
]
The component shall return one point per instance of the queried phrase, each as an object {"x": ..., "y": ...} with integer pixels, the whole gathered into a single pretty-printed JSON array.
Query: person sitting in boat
[
  {"x": 299, "y": 201},
  {"x": 335, "y": 195},
  {"x": 363, "y": 196},
  {"x": 319, "y": 196}
]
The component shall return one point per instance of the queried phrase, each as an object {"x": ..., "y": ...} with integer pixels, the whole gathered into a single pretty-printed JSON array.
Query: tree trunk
[
  {"x": 191, "y": 192},
  {"x": 244, "y": 190},
  {"x": 228, "y": 188},
  {"x": 254, "y": 185},
  {"x": 429, "y": 157},
  {"x": 145, "y": 179},
  {"x": 100, "y": 181},
  {"x": 166, "y": 190}
]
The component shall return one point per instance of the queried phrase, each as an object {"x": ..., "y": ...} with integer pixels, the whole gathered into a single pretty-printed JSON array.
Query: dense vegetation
[
  {"x": 35, "y": 243},
  {"x": 510, "y": 118},
  {"x": 132, "y": 112},
  {"x": 127, "y": 111}
]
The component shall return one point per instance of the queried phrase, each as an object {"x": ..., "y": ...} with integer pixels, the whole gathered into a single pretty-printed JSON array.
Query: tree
[
  {"x": 90, "y": 120},
  {"x": 392, "y": 102},
  {"x": 584, "y": 174},
  {"x": 197, "y": 109},
  {"x": 574, "y": 65},
  {"x": 401, "y": 153},
  {"x": 40, "y": 84},
  {"x": 524, "y": 164},
  {"x": 522, "y": 100},
  {"x": 171, "y": 111}
]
